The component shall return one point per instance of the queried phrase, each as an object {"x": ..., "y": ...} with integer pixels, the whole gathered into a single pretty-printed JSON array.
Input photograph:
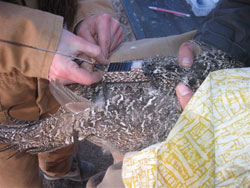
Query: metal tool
[{"x": 98, "y": 66}]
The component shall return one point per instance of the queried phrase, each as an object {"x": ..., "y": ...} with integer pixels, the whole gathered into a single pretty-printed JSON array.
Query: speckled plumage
[{"x": 123, "y": 116}]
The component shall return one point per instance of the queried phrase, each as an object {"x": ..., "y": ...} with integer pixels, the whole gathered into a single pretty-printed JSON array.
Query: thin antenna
[{"x": 98, "y": 66}]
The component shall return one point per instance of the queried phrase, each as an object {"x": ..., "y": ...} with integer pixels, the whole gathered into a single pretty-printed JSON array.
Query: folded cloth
[{"x": 210, "y": 144}]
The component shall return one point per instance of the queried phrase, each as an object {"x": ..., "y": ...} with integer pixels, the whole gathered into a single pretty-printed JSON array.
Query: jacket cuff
[
  {"x": 55, "y": 36},
  {"x": 90, "y": 7}
]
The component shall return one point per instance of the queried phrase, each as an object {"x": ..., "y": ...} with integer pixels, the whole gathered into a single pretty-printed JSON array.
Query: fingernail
[
  {"x": 186, "y": 61},
  {"x": 183, "y": 90}
]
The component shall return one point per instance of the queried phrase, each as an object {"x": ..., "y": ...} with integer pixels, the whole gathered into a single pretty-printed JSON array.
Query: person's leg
[
  {"x": 164, "y": 46},
  {"x": 60, "y": 164},
  {"x": 20, "y": 171},
  {"x": 57, "y": 163}
]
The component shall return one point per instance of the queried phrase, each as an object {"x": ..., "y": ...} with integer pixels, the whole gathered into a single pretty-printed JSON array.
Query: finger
[
  {"x": 187, "y": 53},
  {"x": 95, "y": 77},
  {"x": 91, "y": 50},
  {"x": 82, "y": 76},
  {"x": 184, "y": 94},
  {"x": 68, "y": 71},
  {"x": 63, "y": 81},
  {"x": 104, "y": 33},
  {"x": 117, "y": 35},
  {"x": 87, "y": 31},
  {"x": 117, "y": 41},
  {"x": 87, "y": 66},
  {"x": 88, "y": 35}
]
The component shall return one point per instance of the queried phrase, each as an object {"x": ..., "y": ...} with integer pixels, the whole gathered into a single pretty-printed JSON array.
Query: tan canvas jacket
[{"x": 24, "y": 71}]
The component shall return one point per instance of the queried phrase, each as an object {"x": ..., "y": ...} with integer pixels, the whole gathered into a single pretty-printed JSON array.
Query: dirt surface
[
  {"x": 88, "y": 151},
  {"x": 122, "y": 18}
]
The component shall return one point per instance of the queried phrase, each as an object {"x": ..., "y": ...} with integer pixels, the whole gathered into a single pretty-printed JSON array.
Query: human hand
[
  {"x": 102, "y": 30},
  {"x": 186, "y": 55},
  {"x": 65, "y": 70}
]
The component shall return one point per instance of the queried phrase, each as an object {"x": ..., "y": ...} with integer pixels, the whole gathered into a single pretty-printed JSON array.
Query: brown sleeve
[
  {"x": 31, "y": 27},
  {"x": 89, "y": 7}
]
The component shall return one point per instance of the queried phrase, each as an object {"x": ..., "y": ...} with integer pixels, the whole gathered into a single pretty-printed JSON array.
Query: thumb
[
  {"x": 83, "y": 76},
  {"x": 184, "y": 94},
  {"x": 187, "y": 53},
  {"x": 92, "y": 50}
]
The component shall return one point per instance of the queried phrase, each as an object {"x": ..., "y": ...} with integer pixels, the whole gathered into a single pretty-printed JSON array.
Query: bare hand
[
  {"x": 102, "y": 30},
  {"x": 186, "y": 55},
  {"x": 67, "y": 71}
]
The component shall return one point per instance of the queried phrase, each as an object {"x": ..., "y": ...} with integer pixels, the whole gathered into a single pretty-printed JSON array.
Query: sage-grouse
[{"x": 127, "y": 111}]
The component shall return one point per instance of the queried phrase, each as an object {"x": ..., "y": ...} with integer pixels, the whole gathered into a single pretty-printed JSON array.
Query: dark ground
[{"x": 88, "y": 151}]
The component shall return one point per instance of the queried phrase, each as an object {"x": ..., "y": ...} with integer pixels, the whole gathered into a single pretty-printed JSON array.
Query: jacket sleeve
[
  {"x": 31, "y": 27},
  {"x": 227, "y": 28},
  {"x": 90, "y": 7}
]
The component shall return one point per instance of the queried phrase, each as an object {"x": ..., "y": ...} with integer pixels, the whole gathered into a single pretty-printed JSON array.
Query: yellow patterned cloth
[{"x": 210, "y": 144}]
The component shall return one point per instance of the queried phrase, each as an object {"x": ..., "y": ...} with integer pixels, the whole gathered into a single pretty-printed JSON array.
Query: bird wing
[{"x": 68, "y": 99}]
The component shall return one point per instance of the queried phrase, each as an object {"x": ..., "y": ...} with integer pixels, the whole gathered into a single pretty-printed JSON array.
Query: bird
[{"x": 126, "y": 111}]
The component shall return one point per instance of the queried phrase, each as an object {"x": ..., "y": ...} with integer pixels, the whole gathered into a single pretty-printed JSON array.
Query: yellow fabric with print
[{"x": 210, "y": 144}]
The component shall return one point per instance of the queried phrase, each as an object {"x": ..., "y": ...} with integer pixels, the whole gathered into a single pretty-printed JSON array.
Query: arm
[
  {"x": 32, "y": 27},
  {"x": 227, "y": 28},
  {"x": 44, "y": 30}
]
